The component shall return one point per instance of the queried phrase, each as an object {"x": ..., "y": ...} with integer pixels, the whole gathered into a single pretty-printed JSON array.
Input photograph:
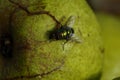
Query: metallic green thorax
[{"x": 63, "y": 32}]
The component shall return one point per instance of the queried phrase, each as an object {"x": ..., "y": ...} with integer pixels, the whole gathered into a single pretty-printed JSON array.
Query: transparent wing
[
  {"x": 74, "y": 38},
  {"x": 70, "y": 22}
]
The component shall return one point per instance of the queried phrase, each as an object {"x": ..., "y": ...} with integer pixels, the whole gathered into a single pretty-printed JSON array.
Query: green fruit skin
[
  {"x": 111, "y": 37},
  {"x": 33, "y": 54}
]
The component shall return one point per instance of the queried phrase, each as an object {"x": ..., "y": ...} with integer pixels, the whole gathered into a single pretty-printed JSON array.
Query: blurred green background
[{"x": 108, "y": 15}]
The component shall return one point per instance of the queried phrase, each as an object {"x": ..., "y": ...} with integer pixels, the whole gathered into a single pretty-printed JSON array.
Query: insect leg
[{"x": 63, "y": 45}]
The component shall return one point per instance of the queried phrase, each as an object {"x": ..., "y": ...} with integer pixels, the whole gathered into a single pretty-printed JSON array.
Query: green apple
[{"x": 35, "y": 56}]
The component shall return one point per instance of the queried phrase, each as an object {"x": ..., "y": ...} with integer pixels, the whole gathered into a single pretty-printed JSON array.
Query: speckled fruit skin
[{"x": 35, "y": 58}]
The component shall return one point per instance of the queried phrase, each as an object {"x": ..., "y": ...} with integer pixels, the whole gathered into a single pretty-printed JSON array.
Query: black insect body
[
  {"x": 65, "y": 32},
  {"x": 6, "y": 45},
  {"x": 62, "y": 33}
]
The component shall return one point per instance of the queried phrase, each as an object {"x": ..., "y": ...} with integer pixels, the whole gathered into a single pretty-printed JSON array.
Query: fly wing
[
  {"x": 70, "y": 22},
  {"x": 74, "y": 38}
]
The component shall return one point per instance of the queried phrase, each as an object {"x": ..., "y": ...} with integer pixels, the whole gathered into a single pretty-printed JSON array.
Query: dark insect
[
  {"x": 6, "y": 45},
  {"x": 63, "y": 33}
]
